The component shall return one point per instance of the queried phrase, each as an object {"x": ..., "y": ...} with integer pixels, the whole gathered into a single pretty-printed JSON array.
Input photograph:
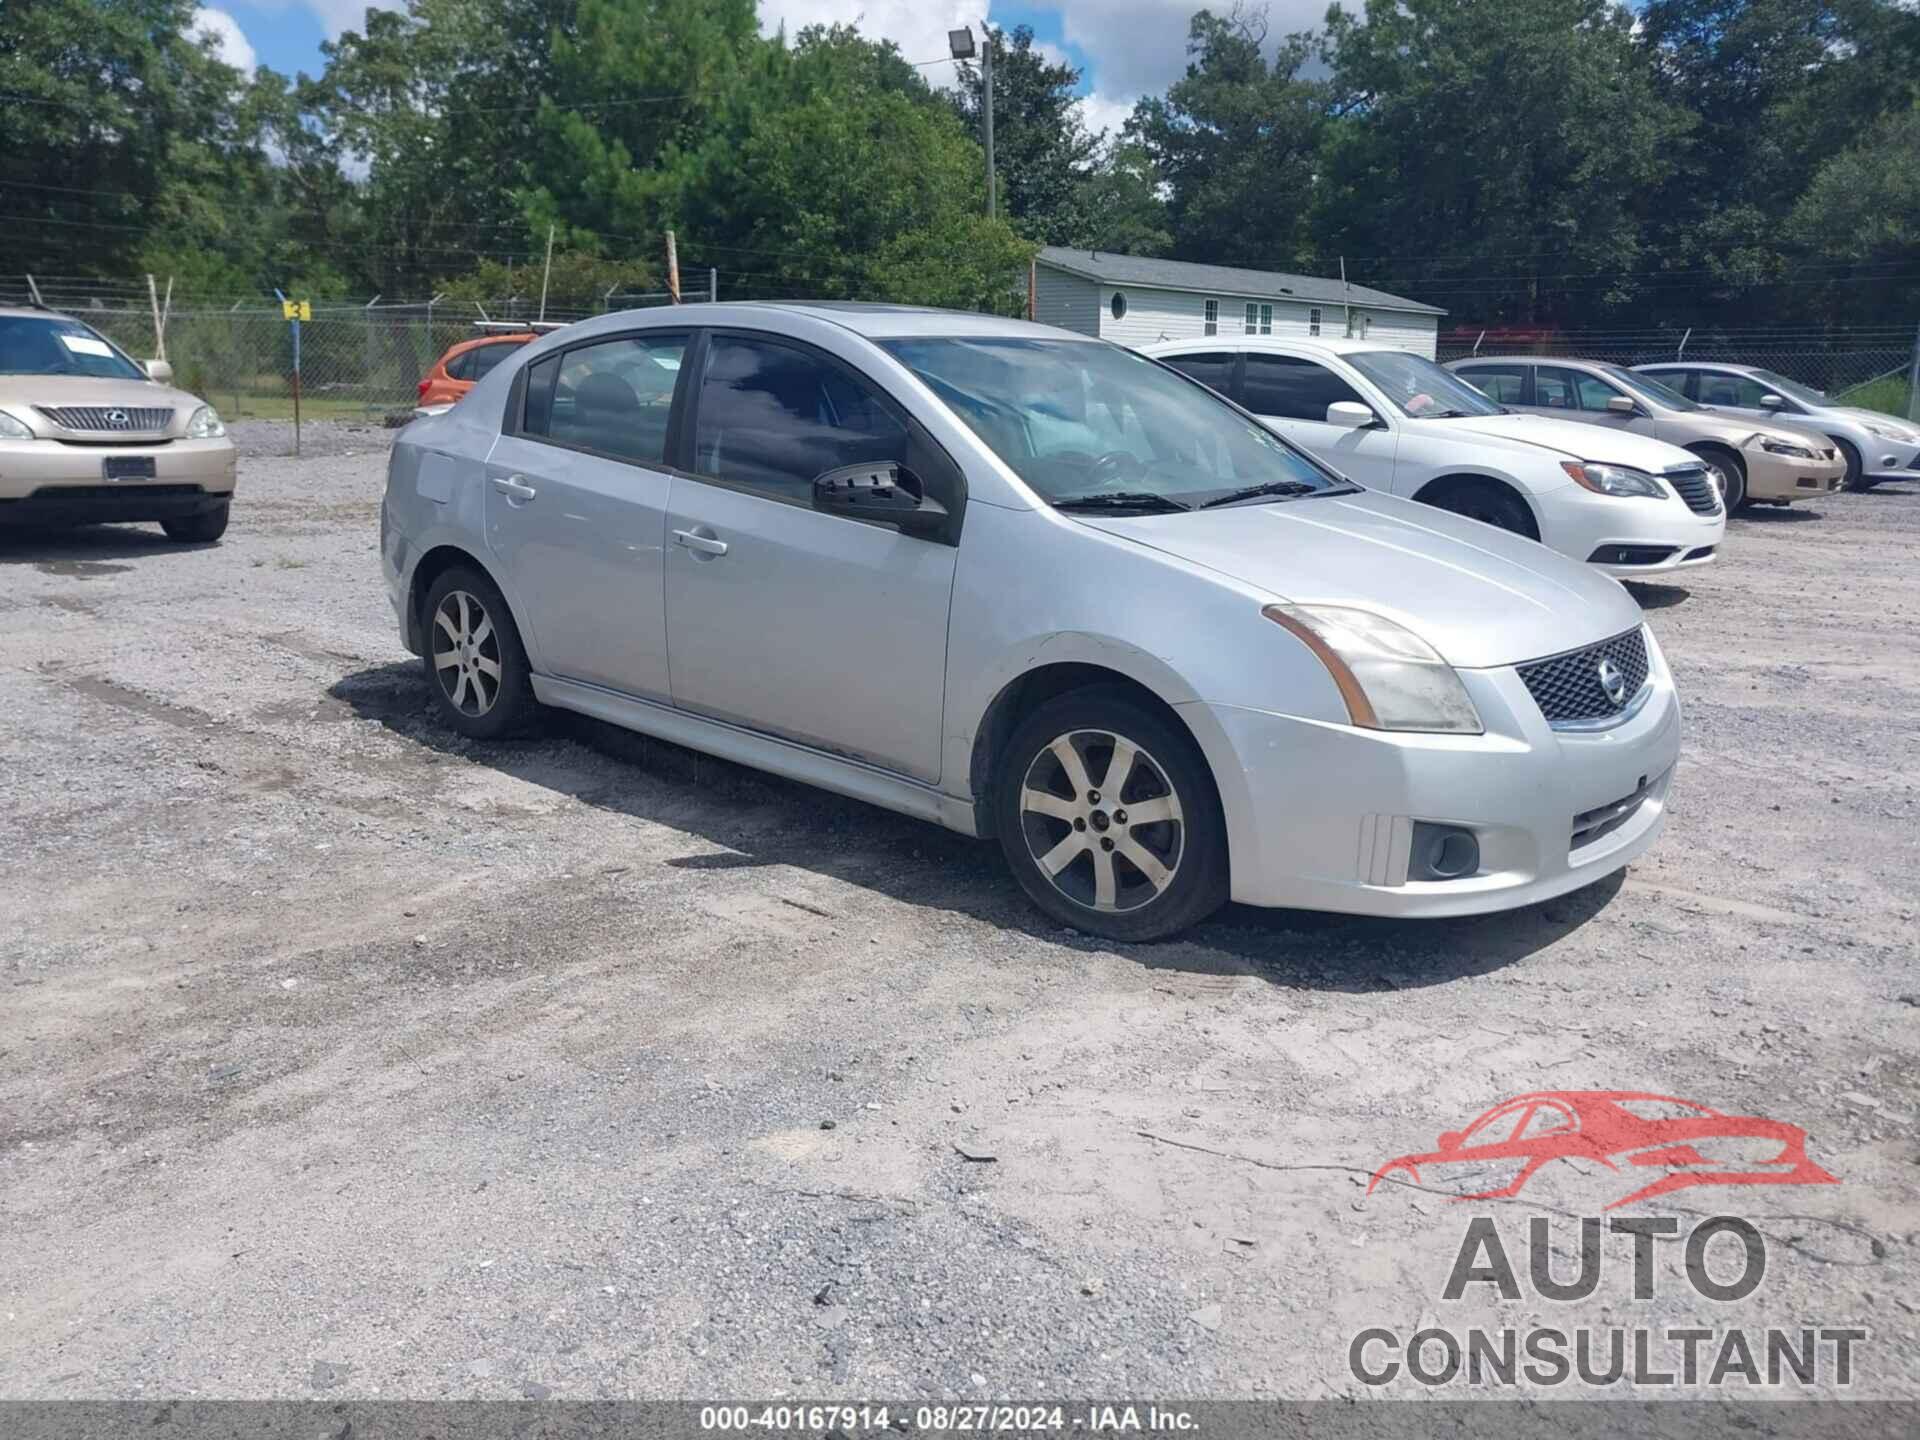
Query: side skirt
[{"x": 762, "y": 752}]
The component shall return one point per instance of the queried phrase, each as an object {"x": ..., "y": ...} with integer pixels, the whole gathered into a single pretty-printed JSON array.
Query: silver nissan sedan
[{"x": 1033, "y": 587}]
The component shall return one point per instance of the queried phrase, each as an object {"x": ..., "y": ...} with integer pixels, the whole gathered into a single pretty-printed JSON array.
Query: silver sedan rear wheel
[
  {"x": 466, "y": 653},
  {"x": 1102, "y": 821}
]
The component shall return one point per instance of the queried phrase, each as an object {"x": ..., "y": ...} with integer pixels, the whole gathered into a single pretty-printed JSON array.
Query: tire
[
  {"x": 1856, "y": 476},
  {"x": 474, "y": 661},
  {"x": 202, "y": 529},
  {"x": 1729, "y": 472},
  {"x": 1121, "y": 878},
  {"x": 1490, "y": 504}
]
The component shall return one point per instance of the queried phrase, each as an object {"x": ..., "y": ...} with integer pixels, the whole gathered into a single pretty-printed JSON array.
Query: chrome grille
[
  {"x": 110, "y": 419},
  {"x": 1567, "y": 687},
  {"x": 1696, "y": 487}
]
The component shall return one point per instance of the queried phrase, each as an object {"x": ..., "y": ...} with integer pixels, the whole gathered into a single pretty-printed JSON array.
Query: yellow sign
[{"x": 297, "y": 309}]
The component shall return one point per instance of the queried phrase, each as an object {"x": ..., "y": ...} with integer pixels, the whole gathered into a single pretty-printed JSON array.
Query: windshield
[
  {"x": 1420, "y": 388},
  {"x": 55, "y": 345},
  {"x": 1648, "y": 388},
  {"x": 1080, "y": 419},
  {"x": 1806, "y": 395}
]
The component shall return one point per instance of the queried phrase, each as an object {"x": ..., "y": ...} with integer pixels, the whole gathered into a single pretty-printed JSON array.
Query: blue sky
[{"x": 1123, "y": 47}]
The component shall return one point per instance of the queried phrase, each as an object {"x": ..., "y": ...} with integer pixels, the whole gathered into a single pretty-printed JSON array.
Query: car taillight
[{"x": 426, "y": 384}]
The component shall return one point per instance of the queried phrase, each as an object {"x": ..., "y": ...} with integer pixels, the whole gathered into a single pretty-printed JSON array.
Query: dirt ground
[{"x": 343, "y": 1057}]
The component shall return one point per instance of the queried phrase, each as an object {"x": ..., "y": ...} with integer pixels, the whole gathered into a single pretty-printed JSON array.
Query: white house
[{"x": 1136, "y": 301}]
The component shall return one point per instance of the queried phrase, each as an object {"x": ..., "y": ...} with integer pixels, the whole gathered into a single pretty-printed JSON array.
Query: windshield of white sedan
[
  {"x": 1094, "y": 426},
  {"x": 1420, "y": 388},
  {"x": 36, "y": 345}
]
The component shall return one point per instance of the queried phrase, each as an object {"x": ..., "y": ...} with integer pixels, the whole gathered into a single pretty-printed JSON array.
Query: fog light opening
[{"x": 1442, "y": 852}]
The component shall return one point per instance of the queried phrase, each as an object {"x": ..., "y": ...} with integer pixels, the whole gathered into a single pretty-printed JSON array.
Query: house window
[
  {"x": 1212, "y": 312},
  {"x": 1313, "y": 321},
  {"x": 1119, "y": 306},
  {"x": 1366, "y": 324},
  {"x": 1259, "y": 319}
]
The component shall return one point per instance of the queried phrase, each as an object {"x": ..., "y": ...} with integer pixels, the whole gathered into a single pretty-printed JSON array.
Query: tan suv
[
  {"x": 88, "y": 435},
  {"x": 1750, "y": 461}
]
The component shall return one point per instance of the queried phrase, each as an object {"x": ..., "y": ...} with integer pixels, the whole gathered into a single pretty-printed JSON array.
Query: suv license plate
[{"x": 128, "y": 467}]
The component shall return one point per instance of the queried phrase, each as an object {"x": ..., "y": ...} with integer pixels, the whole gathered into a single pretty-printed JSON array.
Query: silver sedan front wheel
[
  {"x": 1102, "y": 821},
  {"x": 466, "y": 653}
]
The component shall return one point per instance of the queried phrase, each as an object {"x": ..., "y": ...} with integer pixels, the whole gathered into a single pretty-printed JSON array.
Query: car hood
[
  {"x": 1880, "y": 417},
  {"x": 1569, "y": 439},
  {"x": 1480, "y": 596}
]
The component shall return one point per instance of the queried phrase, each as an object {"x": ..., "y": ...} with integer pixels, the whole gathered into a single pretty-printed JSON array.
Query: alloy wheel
[
  {"x": 1112, "y": 843},
  {"x": 466, "y": 653}
]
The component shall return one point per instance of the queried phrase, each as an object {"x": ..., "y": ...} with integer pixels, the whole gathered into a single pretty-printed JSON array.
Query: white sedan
[{"x": 1629, "y": 505}]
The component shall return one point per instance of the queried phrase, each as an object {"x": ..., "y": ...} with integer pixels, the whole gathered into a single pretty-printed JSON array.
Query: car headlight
[
  {"x": 1614, "y": 479},
  {"x": 1783, "y": 447},
  {"x": 1388, "y": 676},
  {"x": 205, "y": 424},
  {"x": 12, "y": 429},
  {"x": 1888, "y": 431}
]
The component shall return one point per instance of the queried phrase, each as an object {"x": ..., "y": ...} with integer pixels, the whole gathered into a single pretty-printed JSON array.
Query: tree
[
  {"x": 1119, "y": 207},
  {"x": 1863, "y": 206},
  {"x": 1043, "y": 155},
  {"x": 1495, "y": 155},
  {"x": 1236, "y": 141}
]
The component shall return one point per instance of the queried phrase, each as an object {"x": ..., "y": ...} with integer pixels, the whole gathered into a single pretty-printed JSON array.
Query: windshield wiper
[
  {"x": 1121, "y": 500},
  {"x": 1272, "y": 487}
]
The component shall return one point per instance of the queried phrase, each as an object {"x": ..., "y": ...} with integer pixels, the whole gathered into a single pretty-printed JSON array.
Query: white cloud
[
  {"x": 1136, "y": 47},
  {"x": 230, "y": 41},
  {"x": 1105, "y": 112},
  {"x": 918, "y": 27}
]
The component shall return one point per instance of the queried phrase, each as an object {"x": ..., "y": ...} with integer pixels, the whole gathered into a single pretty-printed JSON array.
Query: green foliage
[
  {"x": 1043, "y": 156},
  {"x": 578, "y": 281}
]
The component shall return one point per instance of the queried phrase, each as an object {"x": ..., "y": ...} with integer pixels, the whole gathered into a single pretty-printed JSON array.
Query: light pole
[{"x": 960, "y": 46}]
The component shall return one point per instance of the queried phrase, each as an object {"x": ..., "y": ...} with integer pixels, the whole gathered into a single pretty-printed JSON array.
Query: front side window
[
  {"x": 1554, "y": 389},
  {"x": 613, "y": 398},
  {"x": 1079, "y": 419},
  {"x": 55, "y": 345},
  {"x": 773, "y": 417},
  {"x": 1739, "y": 391},
  {"x": 1418, "y": 387},
  {"x": 1593, "y": 393},
  {"x": 1211, "y": 311},
  {"x": 1290, "y": 388}
]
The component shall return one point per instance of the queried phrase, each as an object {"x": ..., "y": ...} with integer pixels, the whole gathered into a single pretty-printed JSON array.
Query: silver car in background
[
  {"x": 1031, "y": 586},
  {"x": 1749, "y": 458},
  {"x": 1875, "y": 446}
]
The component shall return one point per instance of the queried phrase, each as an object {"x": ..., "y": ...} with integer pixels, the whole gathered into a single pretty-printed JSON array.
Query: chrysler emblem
[
  {"x": 1612, "y": 681},
  {"x": 117, "y": 417}
]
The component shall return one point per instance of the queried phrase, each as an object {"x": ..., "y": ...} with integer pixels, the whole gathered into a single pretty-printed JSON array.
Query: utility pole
[
  {"x": 673, "y": 268},
  {"x": 546, "y": 274},
  {"x": 986, "y": 100}
]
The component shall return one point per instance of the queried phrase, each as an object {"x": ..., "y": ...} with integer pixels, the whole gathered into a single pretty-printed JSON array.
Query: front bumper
[
  {"x": 46, "y": 482},
  {"x": 1891, "y": 460},
  {"x": 1781, "y": 477},
  {"x": 1322, "y": 814},
  {"x": 1629, "y": 538}
]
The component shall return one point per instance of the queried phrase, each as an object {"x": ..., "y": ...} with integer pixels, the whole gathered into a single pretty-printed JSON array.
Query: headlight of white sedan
[
  {"x": 12, "y": 429},
  {"x": 1388, "y": 676},
  {"x": 1614, "y": 479},
  {"x": 205, "y": 424}
]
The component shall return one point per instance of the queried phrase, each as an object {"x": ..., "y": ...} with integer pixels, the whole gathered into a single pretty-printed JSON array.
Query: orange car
[{"x": 454, "y": 374}]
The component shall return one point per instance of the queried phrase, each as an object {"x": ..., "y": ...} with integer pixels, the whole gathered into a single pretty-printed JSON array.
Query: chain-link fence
[{"x": 1871, "y": 367}]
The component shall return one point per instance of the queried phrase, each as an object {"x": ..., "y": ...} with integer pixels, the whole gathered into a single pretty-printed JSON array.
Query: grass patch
[{"x": 1889, "y": 394}]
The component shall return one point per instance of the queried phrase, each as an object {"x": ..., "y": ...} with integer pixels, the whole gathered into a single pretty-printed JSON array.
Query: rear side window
[
  {"x": 773, "y": 417},
  {"x": 483, "y": 358},
  {"x": 1502, "y": 384},
  {"x": 614, "y": 398},
  {"x": 460, "y": 367},
  {"x": 1213, "y": 369},
  {"x": 1293, "y": 389}
]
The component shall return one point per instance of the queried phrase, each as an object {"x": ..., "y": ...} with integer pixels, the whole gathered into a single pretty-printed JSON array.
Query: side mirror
[
  {"x": 1771, "y": 402},
  {"x": 1350, "y": 415},
  {"x": 881, "y": 491},
  {"x": 158, "y": 370},
  {"x": 1621, "y": 405}
]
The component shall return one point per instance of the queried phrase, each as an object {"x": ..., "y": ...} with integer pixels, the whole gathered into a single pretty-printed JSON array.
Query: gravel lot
[{"x": 341, "y": 1056}]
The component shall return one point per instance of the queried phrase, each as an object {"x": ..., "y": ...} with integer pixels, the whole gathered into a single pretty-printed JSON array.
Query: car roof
[
  {"x": 1276, "y": 344},
  {"x": 1534, "y": 360},
  {"x": 1724, "y": 365},
  {"x": 873, "y": 320}
]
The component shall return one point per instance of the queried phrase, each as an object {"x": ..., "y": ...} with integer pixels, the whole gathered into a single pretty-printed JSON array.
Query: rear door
[
  {"x": 1291, "y": 394},
  {"x": 576, "y": 509},
  {"x": 812, "y": 626}
]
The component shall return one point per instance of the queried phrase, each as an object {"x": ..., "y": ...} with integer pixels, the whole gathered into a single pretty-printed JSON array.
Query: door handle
[
  {"x": 702, "y": 544},
  {"x": 514, "y": 486}
]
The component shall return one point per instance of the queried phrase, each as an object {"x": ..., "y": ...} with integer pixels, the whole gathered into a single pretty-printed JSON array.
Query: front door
[
  {"x": 1291, "y": 394},
  {"x": 576, "y": 510},
  {"x": 785, "y": 619}
]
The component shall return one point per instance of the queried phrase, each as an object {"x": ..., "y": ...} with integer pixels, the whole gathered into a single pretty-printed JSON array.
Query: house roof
[{"x": 1137, "y": 270}]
